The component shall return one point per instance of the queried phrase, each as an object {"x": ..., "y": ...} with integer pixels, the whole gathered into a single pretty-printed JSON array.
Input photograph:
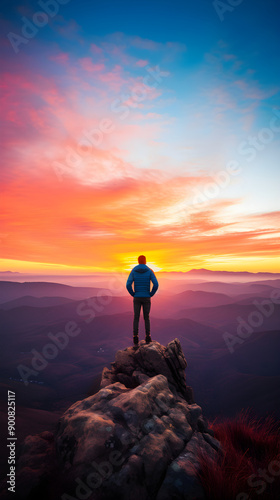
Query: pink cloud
[
  {"x": 61, "y": 57},
  {"x": 144, "y": 43},
  {"x": 88, "y": 65},
  {"x": 117, "y": 50},
  {"x": 252, "y": 91},
  {"x": 222, "y": 98},
  {"x": 101, "y": 191},
  {"x": 114, "y": 78},
  {"x": 69, "y": 29},
  {"x": 141, "y": 63},
  {"x": 148, "y": 116},
  {"x": 95, "y": 49},
  {"x": 42, "y": 113}
]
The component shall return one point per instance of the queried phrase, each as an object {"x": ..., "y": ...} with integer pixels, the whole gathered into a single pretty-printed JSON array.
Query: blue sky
[{"x": 215, "y": 103}]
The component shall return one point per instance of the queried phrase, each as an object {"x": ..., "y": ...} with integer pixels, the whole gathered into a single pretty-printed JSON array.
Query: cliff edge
[{"x": 139, "y": 437}]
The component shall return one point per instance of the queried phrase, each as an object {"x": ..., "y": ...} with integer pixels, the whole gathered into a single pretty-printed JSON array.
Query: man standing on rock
[{"x": 141, "y": 275}]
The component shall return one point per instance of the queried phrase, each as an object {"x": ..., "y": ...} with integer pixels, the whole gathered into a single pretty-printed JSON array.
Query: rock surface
[
  {"x": 134, "y": 366},
  {"x": 138, "y": 437}
]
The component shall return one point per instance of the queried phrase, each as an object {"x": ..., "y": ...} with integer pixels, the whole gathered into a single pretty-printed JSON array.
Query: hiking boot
[
  {"x": 148, "y": 339},
  {"x": 135, "y": 340}
]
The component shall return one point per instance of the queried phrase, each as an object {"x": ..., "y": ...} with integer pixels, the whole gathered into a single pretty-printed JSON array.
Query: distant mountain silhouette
[
  {"x": 225, "y": 316},
  {"x": 9, "y": 272},
  {"x": 10, "y": 290},
  {"x": 219, "y": 274},
  {"x": 227, "y": 276},
  {"x": 232, "y": 289},
  {"x": 30, "y": 301}
]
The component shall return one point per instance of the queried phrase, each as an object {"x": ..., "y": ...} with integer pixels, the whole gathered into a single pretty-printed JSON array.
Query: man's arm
[
  {"x": 129, "y": 282},
  {"x": 155, "y": 283}
]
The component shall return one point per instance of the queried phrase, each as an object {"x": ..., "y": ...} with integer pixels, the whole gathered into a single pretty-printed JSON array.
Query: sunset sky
[{"x": 132, "y": 128}]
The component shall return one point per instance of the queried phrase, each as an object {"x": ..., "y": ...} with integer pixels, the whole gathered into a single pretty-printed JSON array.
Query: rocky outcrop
[
  {"x": 138, "y": 437},
  {"x": 135, "y": 366}
]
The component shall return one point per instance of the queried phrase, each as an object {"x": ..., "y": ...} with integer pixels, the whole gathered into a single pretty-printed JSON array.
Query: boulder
[
  {"x": 149, "y": 360},
  {"x": 139, "y": 437}
]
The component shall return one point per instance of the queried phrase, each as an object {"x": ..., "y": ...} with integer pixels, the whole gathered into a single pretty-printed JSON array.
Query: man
[{"x": 141, "y": 275}]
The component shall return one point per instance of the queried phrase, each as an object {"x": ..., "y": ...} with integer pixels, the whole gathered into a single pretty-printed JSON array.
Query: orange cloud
[
  {"x": 102, "y": 208},
  {"x": 90, "y": 225}
]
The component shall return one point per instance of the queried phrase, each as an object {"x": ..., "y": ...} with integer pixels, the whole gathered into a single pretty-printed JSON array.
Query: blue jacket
[{"x": 141, "y": 275}]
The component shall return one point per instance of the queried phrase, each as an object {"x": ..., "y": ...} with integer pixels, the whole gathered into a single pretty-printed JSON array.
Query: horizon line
[{"x": 96, "y": 273}]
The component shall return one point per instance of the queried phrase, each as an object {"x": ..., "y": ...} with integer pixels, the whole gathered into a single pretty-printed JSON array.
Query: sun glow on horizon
[
  {"x": 235, "y": 264},
  {"x": 140, "y": 140}
]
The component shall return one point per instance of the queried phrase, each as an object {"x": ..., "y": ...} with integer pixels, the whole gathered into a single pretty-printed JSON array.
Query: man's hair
[{"x": 142, "y": 259}]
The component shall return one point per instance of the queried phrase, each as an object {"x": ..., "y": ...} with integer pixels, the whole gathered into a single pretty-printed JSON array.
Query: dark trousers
[{"x": 145, "y": 302}]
